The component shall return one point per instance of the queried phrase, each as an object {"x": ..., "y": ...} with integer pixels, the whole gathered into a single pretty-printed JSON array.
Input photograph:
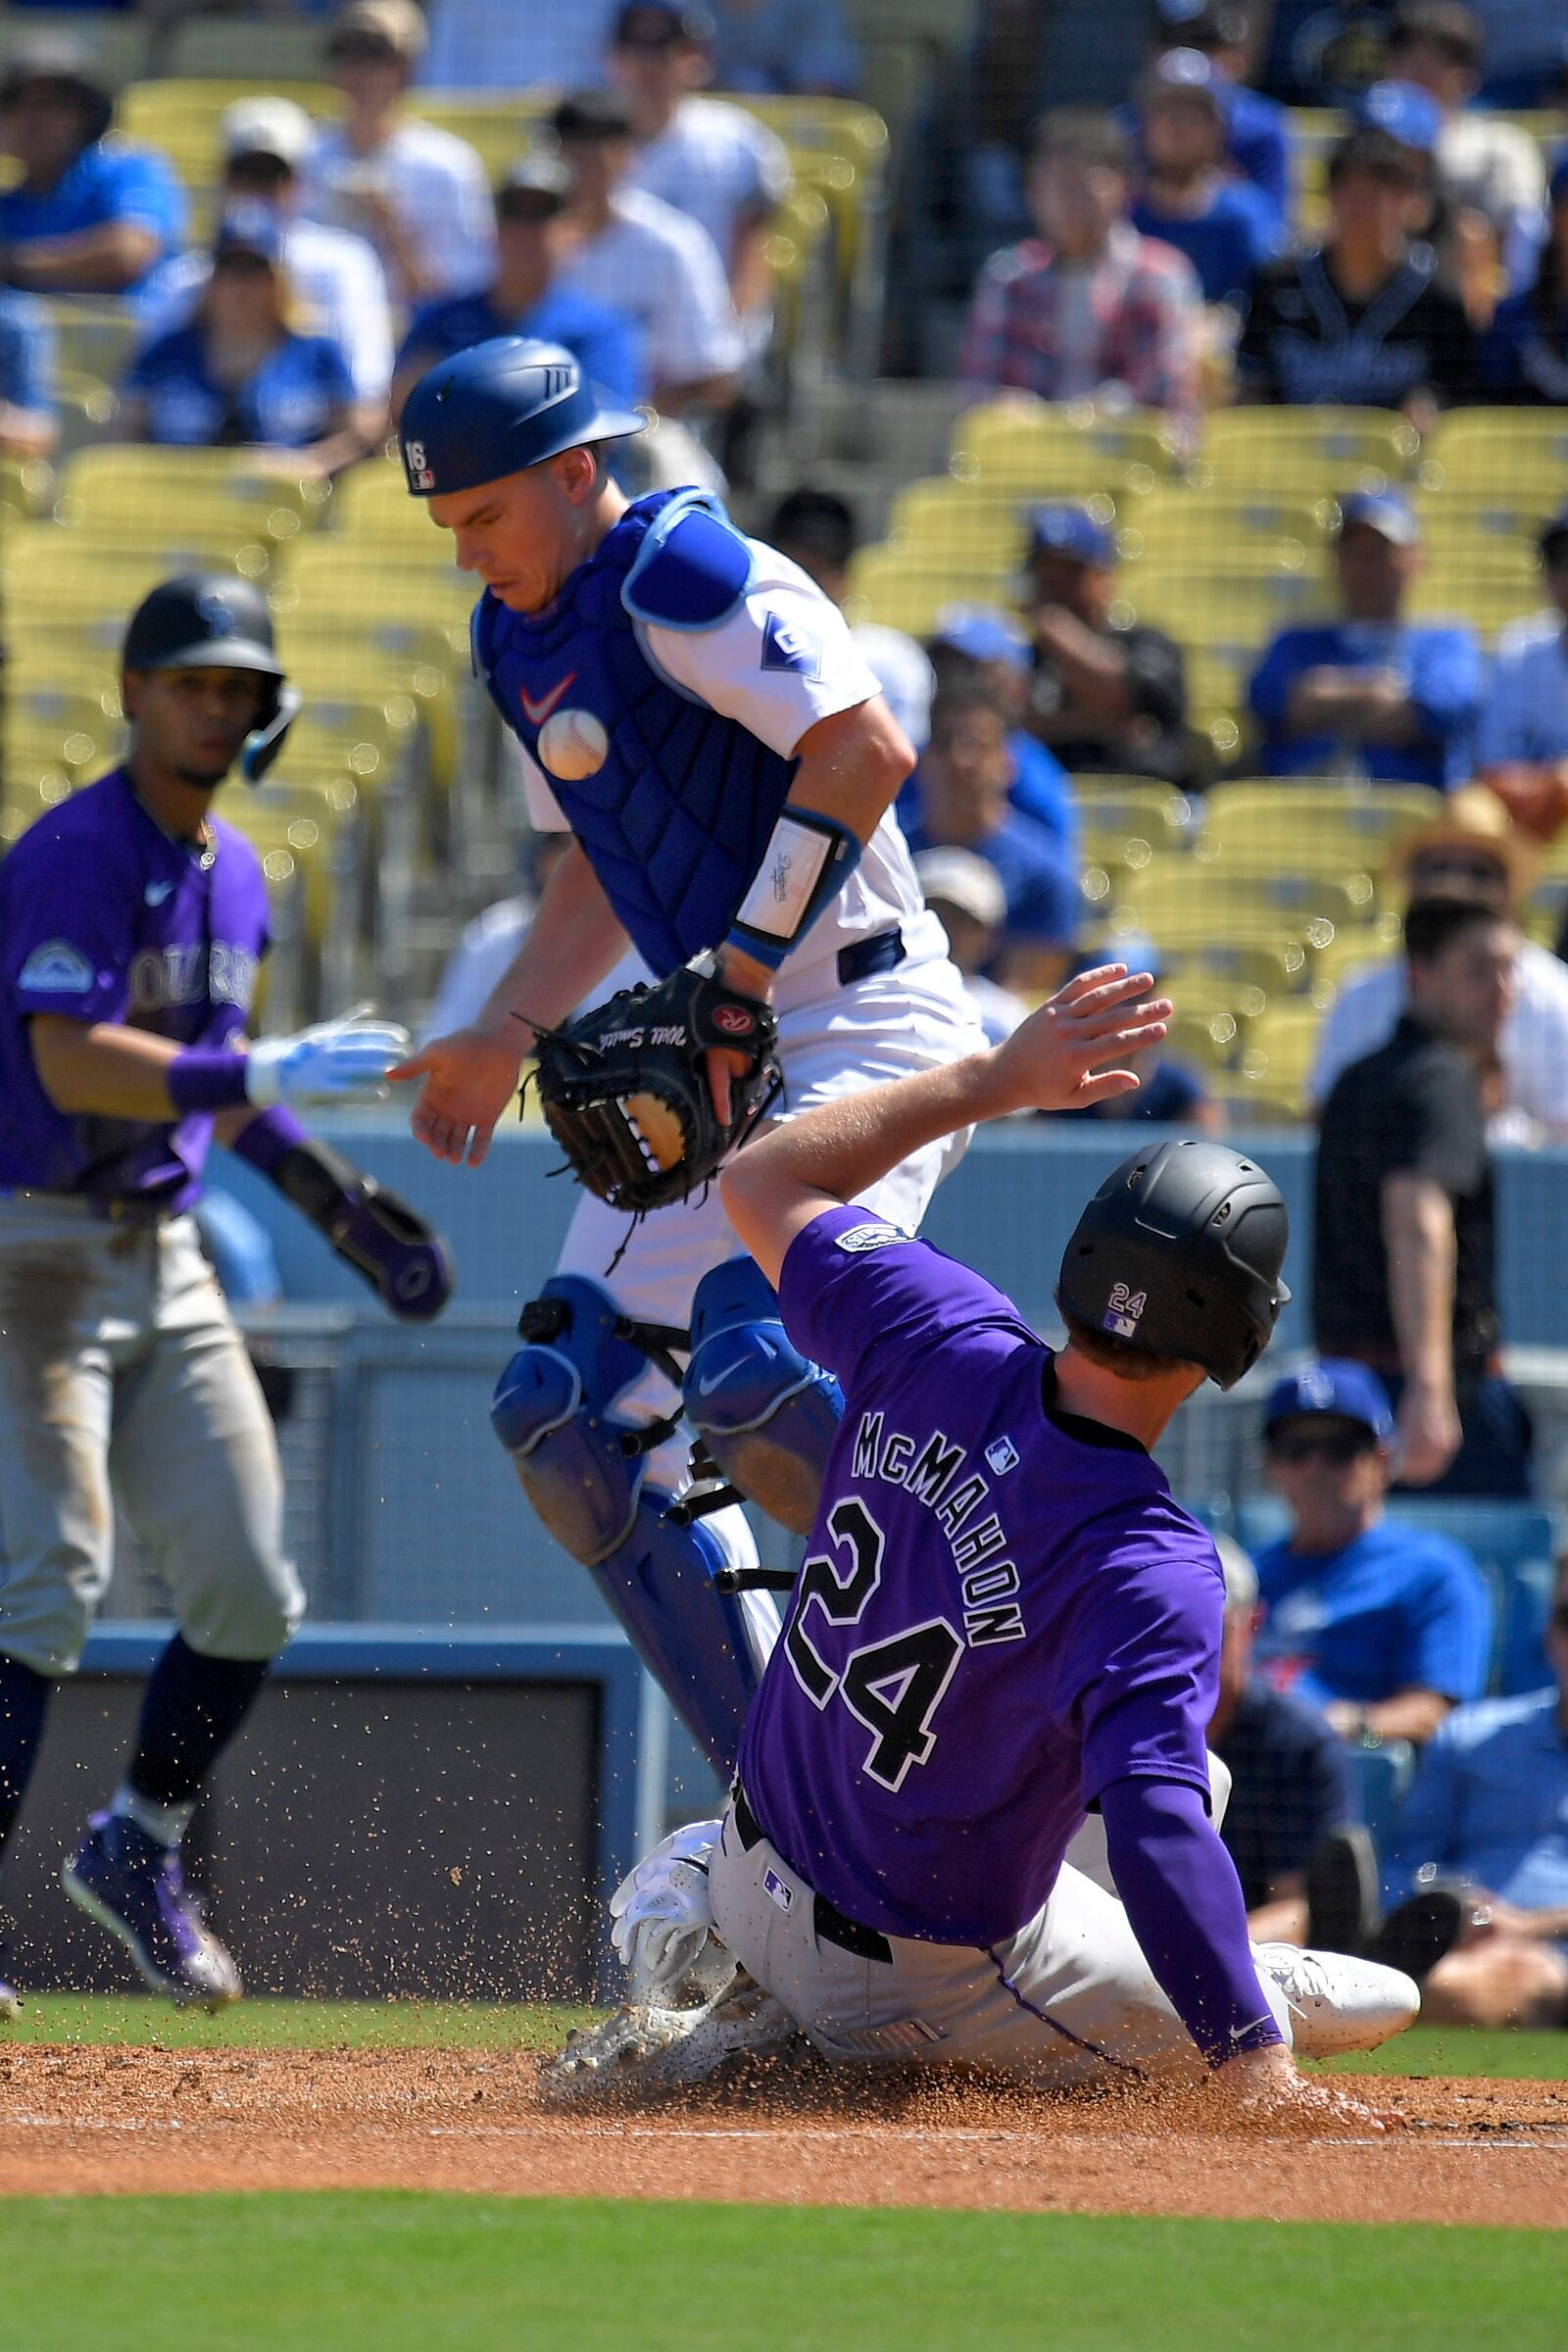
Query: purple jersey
[
  {"x": 1002, "y": 1609},
  {"x": 104, "y": 917}
]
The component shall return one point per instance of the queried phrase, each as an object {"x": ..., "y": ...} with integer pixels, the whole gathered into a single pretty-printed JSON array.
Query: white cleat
[
  {"x": 644, "y": 2048},
  {"x": 1338, "y": 2003}
]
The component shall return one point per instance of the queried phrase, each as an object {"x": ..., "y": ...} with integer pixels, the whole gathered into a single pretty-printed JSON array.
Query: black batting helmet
[
  {"x": 216, "y": 621},
  {"x": 1179, "y": 1253}
]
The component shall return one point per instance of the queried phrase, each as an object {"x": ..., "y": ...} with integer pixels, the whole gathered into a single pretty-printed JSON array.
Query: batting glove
[
  {"x": 345, "y": 1061},
  {"x": 662, "y": 1910}
]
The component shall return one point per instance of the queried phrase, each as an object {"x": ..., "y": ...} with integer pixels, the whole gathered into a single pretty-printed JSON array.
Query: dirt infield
[{"x": 99, "y": 2120}]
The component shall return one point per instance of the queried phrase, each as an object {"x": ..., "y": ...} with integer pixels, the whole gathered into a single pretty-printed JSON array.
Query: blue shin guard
[
  {"x": 765, "y": 1413},
  {"x": 581, "y": 1467}
]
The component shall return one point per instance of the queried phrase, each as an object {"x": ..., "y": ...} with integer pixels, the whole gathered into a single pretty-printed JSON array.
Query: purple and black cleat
[{"x": 135, "y": 1888}]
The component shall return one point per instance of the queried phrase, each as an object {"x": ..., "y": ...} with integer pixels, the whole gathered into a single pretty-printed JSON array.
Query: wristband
[
  {"x": 807, "y": 860},
  {"x": 267, "y": 1140},
  {"x": 204, "y": 1079}
]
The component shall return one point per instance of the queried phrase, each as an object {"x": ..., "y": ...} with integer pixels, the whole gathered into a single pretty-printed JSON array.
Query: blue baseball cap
[
  {"x": 1385, "y": 511},
  {"x": 1332, "y": 1386},
  {"x": 498, "y": 407},
  {"x": 985, "y": 632},
  {"x": 1060, "y": 530},
  {"x": 251, "y": 228},
  {"x": 1405, "y": 111}
]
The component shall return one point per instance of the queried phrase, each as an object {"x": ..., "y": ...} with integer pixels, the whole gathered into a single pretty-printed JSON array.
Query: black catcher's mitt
[{"x": 624, "y": 1088}]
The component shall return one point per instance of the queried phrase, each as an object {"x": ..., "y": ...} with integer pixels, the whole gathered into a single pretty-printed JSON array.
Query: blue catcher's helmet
[{"x": 498, "y": 407}]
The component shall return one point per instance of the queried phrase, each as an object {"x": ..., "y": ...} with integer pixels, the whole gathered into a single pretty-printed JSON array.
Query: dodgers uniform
[
  {"x": 120, "y": 1371},
  {"x": 1004, "y": 1617},
  {"x": 660, "y": 701}
]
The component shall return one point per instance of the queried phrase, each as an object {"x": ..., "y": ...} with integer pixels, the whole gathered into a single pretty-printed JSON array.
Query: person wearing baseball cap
[
  {"x": 987, "y": 642},
  {"x": 1381, "y": 1626},
  {"x": 1371, "y": 694},
  {"x": 525, "y": 295},
  {"x": 1522, "y": 739},
  {"x": 1258, "y": 139},
  {"x": 1490, "y": 166},
  {"x": 1226, "y": 227},
  {"x": 1471, "y": 851},
  {"x": 419, "y": 195},
  {"x": 1106, "y": 700},
  {"x": 964, "y": 893},
  {"x": 1363, "y": 320},
  {"x": 80, "y": 217}
]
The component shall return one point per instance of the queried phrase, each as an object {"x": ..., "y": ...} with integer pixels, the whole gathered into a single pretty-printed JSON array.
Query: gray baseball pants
[
  {"x": 122, "y": 1378},
  {"x": 1068, "y": 1999}
]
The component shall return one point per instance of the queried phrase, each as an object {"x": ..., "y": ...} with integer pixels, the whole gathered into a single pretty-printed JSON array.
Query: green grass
[
  {"x": 407, "y": 2273},
  {"x": 140, "y": 2021},
  {"x": 135, "y": 2020}
]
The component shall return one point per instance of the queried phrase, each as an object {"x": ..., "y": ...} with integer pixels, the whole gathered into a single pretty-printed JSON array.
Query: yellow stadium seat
[
  {"x": 1220, "y": 611},
  {"x": 1219, "y": 529},
  {"x": 1279, "y": 1049},
  {"x": 1128, "y": 821},
  {"x": 1209, "y": 1039},
  {"x": 907, "y": 593},
  {"x": 1311, "y": 828},
  {"x": 1500, "y": 451},
  {"x": 1243, "y": 974},
  {"x": 135, "y": 486},
  {"x": 1198, "y": 906},
  {"x": 95, "y": 335},
  {"x": 259, "y": 50},
  {"x": 941, "y": 519},
  {"x": 1318, "y": 451},
  {"x": 1484, "y": 599},
  {"x": 1043, "y": 449}
]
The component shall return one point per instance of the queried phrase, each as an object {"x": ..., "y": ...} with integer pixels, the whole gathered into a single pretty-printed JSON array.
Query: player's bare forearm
[
  {"x": 1419, "y": 1238},
  {"x": 103, "y": 1070},
  {"x": 1054, "y": 1061}
]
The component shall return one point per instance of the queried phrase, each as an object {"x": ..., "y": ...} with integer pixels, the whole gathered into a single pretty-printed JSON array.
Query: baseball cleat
[
  {"x": 642, "y": 2048},
  {"x": 1338, "y": 2003},
  {"x": 136, "y": 1889}
]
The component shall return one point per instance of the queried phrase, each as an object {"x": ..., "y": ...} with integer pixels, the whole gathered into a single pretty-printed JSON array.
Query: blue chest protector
[{"x": 675, "y": 821}]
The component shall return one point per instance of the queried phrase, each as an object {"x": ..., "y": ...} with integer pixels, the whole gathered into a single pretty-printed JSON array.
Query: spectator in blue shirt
[
  {"x": 797, "y": 48},
  {"x": 1228, "y": 228},
  {"x": 27, "y": 426},
  {"x": 240, "y": 376},
  {"x": 1371, "y": 694},
  {"x": 1489, "y": 1814},
  {"x": 1524, "y": 358},
  {"x": 83, "y": 217},
  {"x": 961, "y": 802},
  {"x": 987, "y": 643},
  {"x": 1382, "y": 1626},
  {"x": 522, "y": 298},
  {"x": 1257, "y": 129}
]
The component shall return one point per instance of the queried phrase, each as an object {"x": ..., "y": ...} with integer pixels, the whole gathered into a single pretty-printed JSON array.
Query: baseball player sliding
[
  {"x": 693, "y": 709},
  {"x": 132, "y": 926},
  {"x": 1003, "y": 1620}
]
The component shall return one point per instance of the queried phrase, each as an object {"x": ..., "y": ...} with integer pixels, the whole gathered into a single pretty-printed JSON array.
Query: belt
[
  {"x": 831, "y": 1924},
  {"x": 124, "y": 1208},
  {"x": 883, "y": 952}
]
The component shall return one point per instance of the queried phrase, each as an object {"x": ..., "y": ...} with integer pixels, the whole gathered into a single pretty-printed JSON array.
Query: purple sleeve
[
  {"x": 853, "y": 1289},
  {"x": 69, "y": 932},
  {"x": 1179, "y": 1888},
  {"x": 1139, "y": 1674}
]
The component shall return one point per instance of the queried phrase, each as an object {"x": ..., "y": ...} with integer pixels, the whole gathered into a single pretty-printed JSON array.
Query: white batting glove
[
  {"x": 345, "y": 1061},
  {"x": 662, "y": 1912}
]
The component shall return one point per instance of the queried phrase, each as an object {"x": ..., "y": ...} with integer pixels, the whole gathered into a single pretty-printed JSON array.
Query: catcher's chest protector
[{"x": 675, "y": 821}]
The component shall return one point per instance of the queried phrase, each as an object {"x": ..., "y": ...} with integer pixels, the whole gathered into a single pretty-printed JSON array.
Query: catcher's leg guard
[
  {"x": 582, "y": 1470},
  {"x": 765, "y": 1413}
]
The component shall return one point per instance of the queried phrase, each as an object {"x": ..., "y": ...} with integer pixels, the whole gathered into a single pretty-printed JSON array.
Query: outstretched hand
[
  {"x": 1053, "y": 1060},
  {"x": 470, "y": 1078}
]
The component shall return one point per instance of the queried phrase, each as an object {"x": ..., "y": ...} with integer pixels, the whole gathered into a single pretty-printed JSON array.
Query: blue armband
[{"x": 807, "y": 860}]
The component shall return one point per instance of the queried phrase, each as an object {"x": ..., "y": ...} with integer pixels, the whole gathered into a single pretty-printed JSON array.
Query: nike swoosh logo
[
  {"x": 709, "y": 1382},
  {"x": 157, "y": 892},
  {"x": 536, "y": 713}
]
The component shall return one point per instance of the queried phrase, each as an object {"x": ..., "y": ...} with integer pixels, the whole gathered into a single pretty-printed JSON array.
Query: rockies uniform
[
  {"x": 1005, "y": 1624},
  {"x": 122, "y": 1378},
  {"x": 659, "y": 699}
]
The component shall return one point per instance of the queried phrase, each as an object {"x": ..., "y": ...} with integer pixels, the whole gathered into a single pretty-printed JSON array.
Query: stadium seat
[
  {"x": 94, "y": 334},
  {"x": 959, "y": 524},
  {"x": 1041, "y": 449},
  {"x": 260, "y": 50},
  {"x": 1311, "y": 828},
  {"x": 1238, "y": 971},
  {"x": 1279, "y": 1049},
  {"x": 1116, "y": 810},
  {"x": 1223, "y": 608},
  {"x": 1514, "y": 1546},
  {"x": 1522, "y": 451},
  {"x": 904, "y": 592},
  {"x": 1219, "y": 528},
  {"x": 1484, "y": 599},
  {"x": 1311, "y": 452}
]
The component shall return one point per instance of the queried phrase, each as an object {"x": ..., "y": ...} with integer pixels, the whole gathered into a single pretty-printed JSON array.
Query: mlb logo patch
[
  {"x": 1003, "y": 1455},
  {"x": 420, "y": 476},
  {"x": 1125, "y": 1311},
  {"x": 776, "y": 1891},
  {"x": 786, "y": 645}
]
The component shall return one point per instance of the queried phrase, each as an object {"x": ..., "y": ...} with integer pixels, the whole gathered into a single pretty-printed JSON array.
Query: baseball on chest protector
[{"x": 573, "y": 744}]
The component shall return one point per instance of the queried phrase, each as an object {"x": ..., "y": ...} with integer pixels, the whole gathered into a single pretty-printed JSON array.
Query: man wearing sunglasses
[{"x": 1382, "y": 1626}]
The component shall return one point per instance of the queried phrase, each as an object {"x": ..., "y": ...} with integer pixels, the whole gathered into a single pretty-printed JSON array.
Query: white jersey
[
  {"x": 663, "y": 271},
  {"x": 727, "y": 668},
  {"x": 719, "y": 164},
  {"x": 437, "y": 189}
]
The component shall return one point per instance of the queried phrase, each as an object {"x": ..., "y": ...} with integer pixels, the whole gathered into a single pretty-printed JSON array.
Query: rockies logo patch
[{"x": 861, "y": 1238}]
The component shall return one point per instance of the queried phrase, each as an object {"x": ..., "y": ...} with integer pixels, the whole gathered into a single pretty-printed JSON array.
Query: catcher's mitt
[{"x": 624, "y": 1088}]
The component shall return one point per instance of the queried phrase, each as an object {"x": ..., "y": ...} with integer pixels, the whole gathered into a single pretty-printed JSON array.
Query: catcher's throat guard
[{"x": 624, "y": 1088}]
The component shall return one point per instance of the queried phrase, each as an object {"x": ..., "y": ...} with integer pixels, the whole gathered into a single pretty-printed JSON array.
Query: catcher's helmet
[
  {"x": 1179, "y": 1253},
  {"x": 498, "y": 407},
  {"x": 216, "y": 621}
]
